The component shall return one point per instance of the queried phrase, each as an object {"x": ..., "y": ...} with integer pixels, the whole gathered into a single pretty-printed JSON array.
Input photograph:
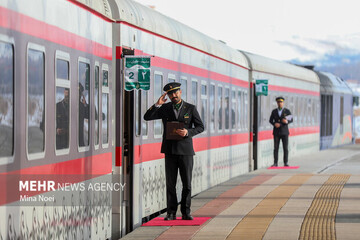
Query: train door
[{"x": 126, "y": 139}]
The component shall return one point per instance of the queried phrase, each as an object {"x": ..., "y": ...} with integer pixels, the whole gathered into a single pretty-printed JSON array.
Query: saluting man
[
  {"x": 178, "y": 153},
  {"x": 280, "y": 118}
]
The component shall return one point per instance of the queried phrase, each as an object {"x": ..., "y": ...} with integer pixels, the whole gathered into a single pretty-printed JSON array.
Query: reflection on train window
[
  {"x": 240, "y": 104},
  {"x": 233, "y": 109},
  {"x": 212, "y": 107},
  {"x": 341, "y": 114},
  {"x": 227, "y": 108},
  {"x": 36, "y": 101},
  {"x": 105, "y": 108},
  {"x": 144, "y": 107},
  {"x": 105, "y": 122},
  {"x": 245, "y": 111},
  {"x": 6, "y": 99},
  {"x": 171, "y": 78},
  {"x": 221, "y": 107},
  {"x": 194, "y": 87},
  {"x": 299, "y": 111},
  {"x": 84, "y": 104},
  {"x": 62, "y": 99},
  {"x": 62, "y": 117},
  {"x": 183, "y": 82},
  {"x": 96, "y": 105},
  {"x": 62, "y": 69},
  {"x": 158, "y": 85},
  {"x": 204, "y": 104}
]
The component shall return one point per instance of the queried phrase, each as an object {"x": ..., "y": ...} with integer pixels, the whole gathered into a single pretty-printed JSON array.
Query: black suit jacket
[
  {"x": 283, "y": 130},
  {"x": 192, "y": 122}
]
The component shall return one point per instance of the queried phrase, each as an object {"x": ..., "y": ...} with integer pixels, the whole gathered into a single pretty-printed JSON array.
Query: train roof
[
  {"x": 155, "y": 22},
  {"x": 101, "y": 7},
  {"x": 272, "y": 66},
  {"x": 332, "y": 84}
]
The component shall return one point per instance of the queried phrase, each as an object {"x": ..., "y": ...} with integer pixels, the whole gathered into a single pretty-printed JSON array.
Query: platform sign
[
  {"x": 137, "y": 72},
  {"x": 261, "y": 87}
]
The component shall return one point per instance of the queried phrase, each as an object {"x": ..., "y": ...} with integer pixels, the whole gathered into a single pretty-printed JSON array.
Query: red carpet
[
  {"x": 159, "y": 221},
  {"x": 290, "y": 167}
]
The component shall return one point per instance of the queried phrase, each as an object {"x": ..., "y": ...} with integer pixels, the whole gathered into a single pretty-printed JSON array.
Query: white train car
[
  {"x": 301, "y": 89},
  {"x": 211, "y": 73}
]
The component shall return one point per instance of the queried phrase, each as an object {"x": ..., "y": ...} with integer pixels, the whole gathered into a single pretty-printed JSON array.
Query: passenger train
[{"x": 64, "y": 112}]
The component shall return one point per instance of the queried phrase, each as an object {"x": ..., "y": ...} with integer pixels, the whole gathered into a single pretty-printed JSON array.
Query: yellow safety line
[
  {"x": 319, "y": 222},
  {"x": 256, "y": 222}
]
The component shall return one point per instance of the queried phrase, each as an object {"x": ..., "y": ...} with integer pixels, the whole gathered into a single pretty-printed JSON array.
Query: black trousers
[
  {"x": 184, "y": 164},
  {"x": 285, "y": 142}
]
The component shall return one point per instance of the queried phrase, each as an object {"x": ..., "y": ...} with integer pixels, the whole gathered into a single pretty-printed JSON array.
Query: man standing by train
[
  {"x": 178, "y": 149},
  {"x": 280, "y": 118}
]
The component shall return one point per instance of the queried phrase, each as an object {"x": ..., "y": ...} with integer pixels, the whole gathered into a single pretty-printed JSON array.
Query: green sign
[
  {"x": 137, "y": 72},
  {"x": 261, "y": 87}
]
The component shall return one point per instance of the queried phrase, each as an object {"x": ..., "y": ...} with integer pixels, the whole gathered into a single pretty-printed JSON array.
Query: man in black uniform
[
  {"x": 178, "y": 153},
  {"x": 280, "y": 118}
]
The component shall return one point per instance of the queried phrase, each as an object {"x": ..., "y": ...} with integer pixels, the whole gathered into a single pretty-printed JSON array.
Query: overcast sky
[{"x": 280, "y": 29}]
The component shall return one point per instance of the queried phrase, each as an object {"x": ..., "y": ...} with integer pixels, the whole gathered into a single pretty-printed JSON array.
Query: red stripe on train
[
  {"x": 31, "y": 26},
  {"x": 149, "y": 152},
  {"x": 266, "y": 135},
  {"x": 293, "y": 90},
  {"x": 72, "y": 171}
]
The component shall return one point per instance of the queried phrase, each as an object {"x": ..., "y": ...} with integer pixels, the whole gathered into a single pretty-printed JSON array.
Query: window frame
[
  {"x": 218, "y": 107},
  {"x": 185, "y": 79},
  {"x": 41, "y": 48},
  {"x": 10, "y": 159},
  {"x": 158, "y": 136},
  {"x": 212, "y": 130},
  {"x": 105, "y": 90},
  {"x": 83, "y": 148},
  {"x": 204, "y": 97},
  {"x": 197, "y": 91},
  {"x": 170, "y": 76},
  {"x": 97, "y": 64},
  {"x": 65, "y": 84}
]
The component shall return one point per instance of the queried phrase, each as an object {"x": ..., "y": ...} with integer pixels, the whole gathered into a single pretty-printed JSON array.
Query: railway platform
[{"x": 319, "y": 200}]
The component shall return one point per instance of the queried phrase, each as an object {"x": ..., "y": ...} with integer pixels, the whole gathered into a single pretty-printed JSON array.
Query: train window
[
  {"x": 171, "y": 78},
  {"x": 323, "y": 116},
  {"x": 6, "y": 101},
  {"x": 105, "y": 106},
  {"x": 227, "y": 108},
  {"x": 36, "y": 101},
  {"x": 300, "y": 112},
  {"x": 240, "y": 104},
  {"x": 62, "y": 99},
  {"x": 158, "y": 89},
  {"x": 293, "y": 110},
  {"x": 221, "y": 107},
  {"x": 233, "y": 109},
  {"x": 183, "y": 82},
  {"x": 341, "y": 115},
  {"x": 194, "y": 89},
  {"x": 204, "y": 100},
  {"x": 144, "y": 107},
  {"x": 330, "y": 115},
  {"x": 84, "y": 103},
  {"x": 212, "y": 107},
  {"x": 97, "y": 105},
  {"x": 246, "y": 111}
]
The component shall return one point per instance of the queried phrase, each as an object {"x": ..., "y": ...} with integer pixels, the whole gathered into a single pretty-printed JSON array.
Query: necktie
[{"x": 177, "y": 106}]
